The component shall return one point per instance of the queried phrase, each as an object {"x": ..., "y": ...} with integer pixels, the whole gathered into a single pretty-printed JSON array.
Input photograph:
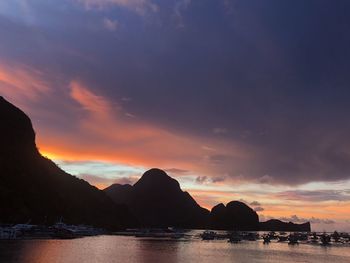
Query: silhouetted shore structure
[{"x": 33, "y": 188}]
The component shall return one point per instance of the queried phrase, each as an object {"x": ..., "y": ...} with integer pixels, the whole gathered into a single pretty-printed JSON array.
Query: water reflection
[
  {"x": 150, "y": 251},
  {"x": 110, "y": 249}
]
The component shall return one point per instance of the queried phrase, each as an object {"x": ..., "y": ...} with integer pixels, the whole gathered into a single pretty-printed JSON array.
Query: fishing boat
[
  {"x": 325, "y": 239},
  {"x": 250, "y": 236},
  {"x": 314, "y": 238},
  {"x": 293, "y": 239},
  {"x": 235, "y": 238},
  {"x": 160, "y": 233},
  {"x": 282, "y": 238},
  {"x": 267, "y": 239},
  {"x": 208, "y": 235},
  {"x": 7, "y": 233}
]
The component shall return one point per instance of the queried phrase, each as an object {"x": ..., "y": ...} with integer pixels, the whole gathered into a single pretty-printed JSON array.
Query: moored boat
[
  {"x": 208, "y": 235},
  {"x": 325, "y": 239},
  {"x": 235, "y": 237},
  {"x": 293, "y": 239},
  {"x": 267, "y": 239}
]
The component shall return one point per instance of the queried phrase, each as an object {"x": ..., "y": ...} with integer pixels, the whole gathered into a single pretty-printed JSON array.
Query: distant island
[{"x": 33, "y": 188}]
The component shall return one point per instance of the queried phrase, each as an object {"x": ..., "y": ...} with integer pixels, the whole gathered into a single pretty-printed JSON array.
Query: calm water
[{"x": 129, "y": 249}]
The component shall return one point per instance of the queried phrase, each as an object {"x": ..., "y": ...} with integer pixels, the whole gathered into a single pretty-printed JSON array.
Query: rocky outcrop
[
  {"x": 234, "y": 216},
  {"x": 158, "y": 201}
]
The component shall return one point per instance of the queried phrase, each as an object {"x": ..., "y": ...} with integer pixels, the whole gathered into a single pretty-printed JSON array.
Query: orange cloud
[
  {"x": 89, "y": 101},
  {"x": 21, "y": 83},
  {"x": 105, "y": 134}
]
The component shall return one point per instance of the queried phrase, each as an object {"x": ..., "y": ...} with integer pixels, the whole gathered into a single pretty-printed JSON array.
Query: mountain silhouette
[
  {"x": 278, "y": 225},
  {"x": 158, "y": 201},
  {"x": 34, "y": 188},
  {"x": 234, "y": 216}
]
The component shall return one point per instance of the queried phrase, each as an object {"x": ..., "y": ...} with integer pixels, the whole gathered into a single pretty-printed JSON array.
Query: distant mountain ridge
[
  {"x": 278, "y": 225},
  {"x": 33, "y": 188},
  {"x": 234, "y": 216},
  {"x": 158, "y": 201}
]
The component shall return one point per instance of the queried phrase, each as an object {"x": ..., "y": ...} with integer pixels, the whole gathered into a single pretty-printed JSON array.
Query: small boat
[
  {"x": 77, "y": 231},
  {"x": 267, "y": 239},
  {"x": 208, "y": 235},
  {"x": 235, "y": 238},
  {"x": 272, "y": 235},
  {"x": 7, "y": 233},
  {"x": 160, "y": 233},
  {"x": 64, "y": 234},
  {"x": 336, "y": 237},
  {"x": 314, "y": 238},
  {"x": 293, "y": 239},
  {"x": 325, "y": 239},
  {"x": 250, "y": 236},
  {"x": 282, "y": 238}
]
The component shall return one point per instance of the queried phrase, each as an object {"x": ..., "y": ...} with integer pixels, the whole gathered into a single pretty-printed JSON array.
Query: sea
[{"x": 108, "y": 249}]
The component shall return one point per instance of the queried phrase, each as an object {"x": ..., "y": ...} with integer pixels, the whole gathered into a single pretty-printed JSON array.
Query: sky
[{"x": 237, "y": 99}]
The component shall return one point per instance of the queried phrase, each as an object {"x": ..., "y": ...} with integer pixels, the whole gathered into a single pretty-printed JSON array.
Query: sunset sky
[{"x": 237, "y": 99}]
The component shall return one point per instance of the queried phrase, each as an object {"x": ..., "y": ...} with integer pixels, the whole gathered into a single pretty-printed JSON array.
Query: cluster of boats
[
  {"x": 61, "y": 230},
  {"x": 292, "y": 238},
  {"x": 154, "y": 233},
  {"x": 58, "y": 231}
]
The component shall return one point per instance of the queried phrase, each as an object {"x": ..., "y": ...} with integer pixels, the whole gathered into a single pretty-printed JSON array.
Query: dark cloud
[
  {"x": 258, "y": 209},
  {"x": 202, "y": 179},
  {"x": 272, "y": 75},
  {"x": 315, "y": 196},
  {"x": 218, "y": 179},
  {"x": 210, "y": 179},
  {"x": 255, "y": 203}
]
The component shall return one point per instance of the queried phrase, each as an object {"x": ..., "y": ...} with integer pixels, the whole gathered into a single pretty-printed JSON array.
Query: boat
[
  {"x": 235, "y": 238},
  {"x": 272, "y": 235},
  {"x": 336, "y": 237},
  {"x": 325, "y": 239},
  {"x": 250, "y": 236},
  {"x": 302, "y": 236},
  {"x": 77, "y": 231},
  {"x": 314, "y": 238},
  {"x": 267, "y": 239},
  {"x": 64, "y": 234},
  {"x": 160, "y": 233},
  {"x": 7, "y": 233},
  {"x": 293, "y": 239},
  {"x": 282, "y": 238},
  {"x": 208, "y": 235}
]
